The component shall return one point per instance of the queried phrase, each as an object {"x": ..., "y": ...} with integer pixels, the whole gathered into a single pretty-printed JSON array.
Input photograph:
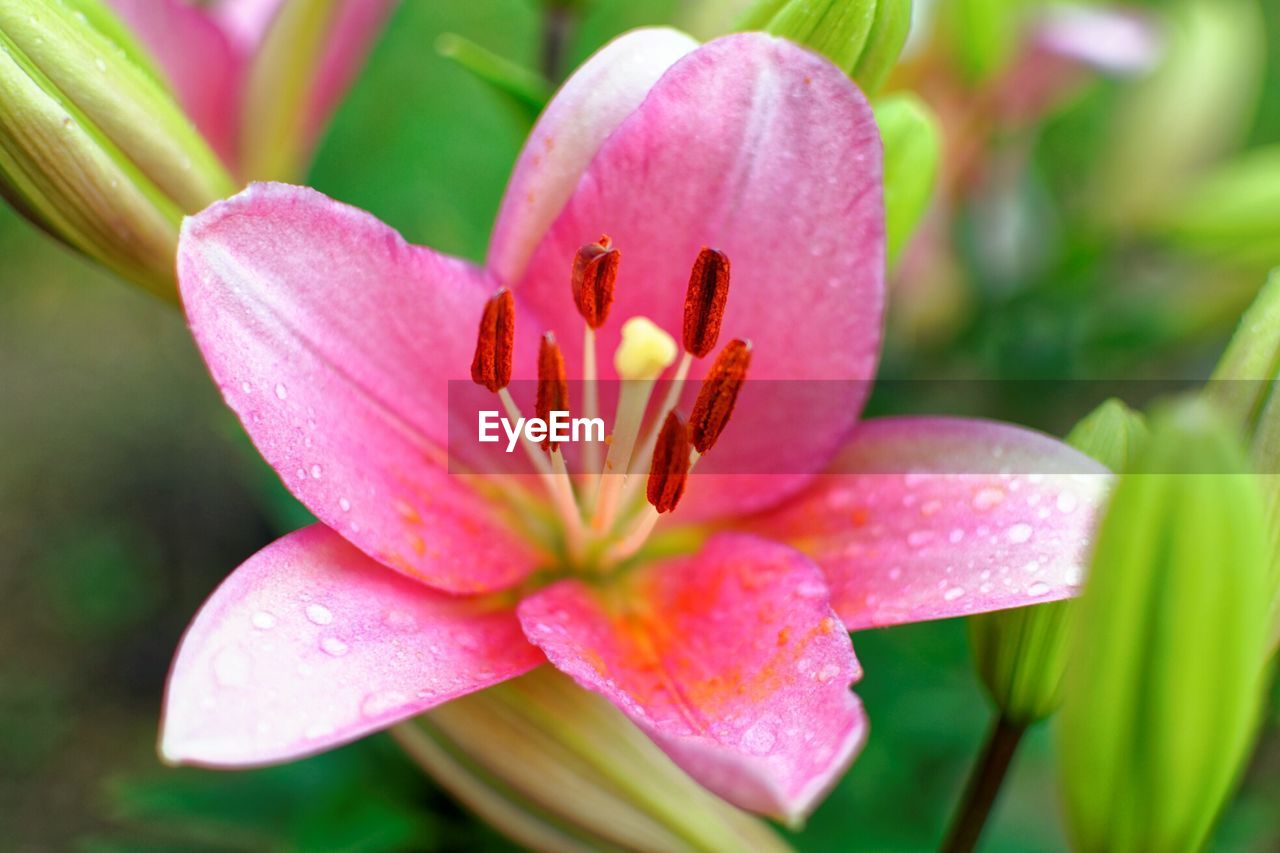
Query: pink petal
[
  {"x": 200, "y": 63},
  {"x": 246, "y": 21},
  {"x": 731, "y": 660},
  {"x": 770, "y": 153},
  {"x": 927, "y": 518},
  {"x": 311, "y": 644},
  {"x": 588, "y": 107},
  {"x": 334, "y": 340},
  {"x": 1120, "y": 41}
]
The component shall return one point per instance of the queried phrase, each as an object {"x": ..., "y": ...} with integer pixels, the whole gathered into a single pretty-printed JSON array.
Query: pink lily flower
[
  {"x": 209, "y": 53},
  {"x": 335, "y": 341}
]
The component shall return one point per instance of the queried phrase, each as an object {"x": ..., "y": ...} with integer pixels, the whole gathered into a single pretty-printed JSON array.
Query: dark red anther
[
  {"x": 595, "y": 272},
  {"x": 719, "y": 394},
  {"x": 704, "y": 303},
  {"x": 670, "y": 467},
  {"x": 492, "y": 365},
  {"x": 553, "y": 388}
]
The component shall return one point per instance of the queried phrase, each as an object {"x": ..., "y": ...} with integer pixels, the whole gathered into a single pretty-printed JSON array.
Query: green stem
[{"x": 983, "y": 787}]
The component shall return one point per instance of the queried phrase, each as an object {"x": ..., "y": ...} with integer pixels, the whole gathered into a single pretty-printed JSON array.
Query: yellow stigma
[{"x": 645, "y": 351}]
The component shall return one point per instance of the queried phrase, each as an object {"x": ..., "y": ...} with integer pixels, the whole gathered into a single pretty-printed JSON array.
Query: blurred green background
[{"x": 127, "y": 492}]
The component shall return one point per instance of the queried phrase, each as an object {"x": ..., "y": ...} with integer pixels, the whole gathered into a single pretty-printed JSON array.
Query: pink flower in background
[
  {"x": 221, "y": 63},
  {"x": 335, "y": 342}
]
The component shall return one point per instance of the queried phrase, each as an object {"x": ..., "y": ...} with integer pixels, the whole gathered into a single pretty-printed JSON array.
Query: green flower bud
[
  {"x": 864, "y": 37},
  {"x": 1021, "y": 654},
  {"x": 1167, "y": 662},
  {"x": 1242, "y": 386},
  {"x": 555, "y": 768},
  {"x": 93, "y": 148},
  {"x": 912, "y": 151}
]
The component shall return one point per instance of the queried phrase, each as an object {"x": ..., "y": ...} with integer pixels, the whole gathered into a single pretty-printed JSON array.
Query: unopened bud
[
  {"x": 495, "y": 340},
  {"x": 1168, "y": 661},
  {"x": 1021, "y": 654},
  {"x": 496, "y": 749},
  {"x": 96, "y": 151},
  {"x": 863, "y": 37}
]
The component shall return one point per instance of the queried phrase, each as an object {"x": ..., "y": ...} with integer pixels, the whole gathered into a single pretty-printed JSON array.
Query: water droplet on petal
[
  {"x": 400, "y": 620},
  {"x": 344, "y": 504},
  {"x": 231, "y": 667},
  {"x": 953, "y": 593},
  {"x": 1038, "y": 588},
  {"x": 828, "y": 672},
  {"x": 263, "y": 621},
  {"x": 377, "y": 704},
  {"x": 319, "y": 614},
  {"x": 811, "y": 589},
  {"x": 282, "y": 392},
  {"x": 987, "y": 499},
  {"x": 316, "y": 471},
  {"x": 335, "y": 647},
  {"x": 1019, "y": 533},
  {"x": 758, "y": 739},
  {"x": 1067, "y": 502},
  {"x": 919, "y": 538}
]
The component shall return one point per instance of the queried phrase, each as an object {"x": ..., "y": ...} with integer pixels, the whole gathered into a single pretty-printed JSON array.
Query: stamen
[
  {"x": 553, "y": 388},
  {"x": 718, "y": 395},
  {"x": 705, "y": 301},
  {"x": 491, "y": 366},
  {"x": 595, "y": 272},
  {"x": 669, "y": 470},
  {"x": 644, "y": 353},
  {"x": 668, "y": 474}
]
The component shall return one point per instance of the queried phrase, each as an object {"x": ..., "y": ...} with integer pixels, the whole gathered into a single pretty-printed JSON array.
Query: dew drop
[
  {"x": 282, "y": 392},
  {"x": 1067, "y": 502},
  {"x": 987, "y": 499},
  {"x": 263, "y": 621},
  {"x": 1019, "y": 533},
  {"x": 828, "y": 672},
  {"x": 758, "y": 739},
  {"x": 334, "y": 647},
  {"x": 376, "y": 704},
  {"x": 919, "y": 538},
  {"x": 400, "y": 620},
  {"x": 231, "y": 667},
  {"x": 319, "y": 614},
  {"x": 344, "y": 504},
  {"x": 956, "y": 536},
  {"x": 1032, "y": 567},
  {"x": 316, "y": 471},
  {"x": 1038, "y": 588},
  {"x": 811, "y": 589},
  {"x": 953, "y": 593}
]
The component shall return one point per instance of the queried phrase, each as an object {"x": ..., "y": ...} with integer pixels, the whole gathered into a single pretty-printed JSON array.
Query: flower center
[{"x": 609, "y": 512}]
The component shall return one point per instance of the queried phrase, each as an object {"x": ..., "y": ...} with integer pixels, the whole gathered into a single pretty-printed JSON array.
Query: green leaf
[
  {"x": 912, "y": 150},
  {"x": 526, "y": 89}
]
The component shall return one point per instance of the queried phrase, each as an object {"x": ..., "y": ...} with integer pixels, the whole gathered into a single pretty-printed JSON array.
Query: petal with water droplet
[
  {"x": 1002, "y": 549},
  {"x": 293, "y": 655},
  {"x": 743, "y": 681}
]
